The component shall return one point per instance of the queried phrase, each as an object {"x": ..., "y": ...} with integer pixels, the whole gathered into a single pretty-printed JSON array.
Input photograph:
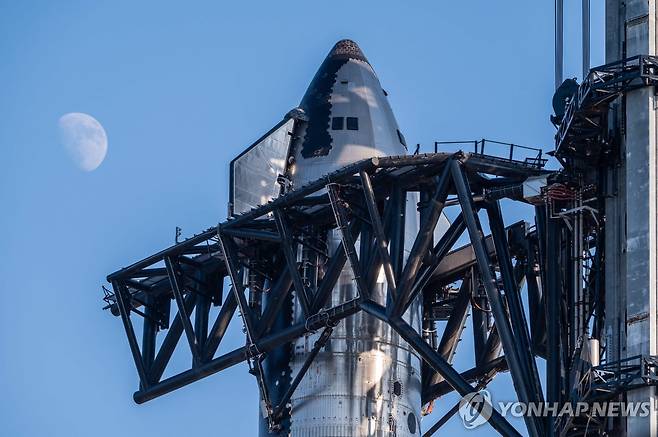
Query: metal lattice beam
[{"x": 260, "y": 247}]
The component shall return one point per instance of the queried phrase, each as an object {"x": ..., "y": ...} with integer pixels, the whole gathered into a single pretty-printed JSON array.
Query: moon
[{"x": 84, "y": 139}]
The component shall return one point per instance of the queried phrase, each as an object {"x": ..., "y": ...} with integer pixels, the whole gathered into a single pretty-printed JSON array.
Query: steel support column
[
  {"x": 201, "y": 315},
  {"x": 422, "y": 242},
  {"x": 553, "y": 310},
  {"x": 174, "y": 280},
  {"x": 348, "y": 242},
  {"x": 170, "y": 341},
  {"x": 513, "y": 297},
  {"x": 124, "y": 310},
  {"x": 486, "y": 371},
  {"x": 378, "y": 230},
  {"x": 489, "y": 282},
  {"x": 219, "y": 327},
  {"x": 456, "y": 322},
  {"x": 439, "y": 251},
  {"x": 275, "y": 300},
  {"x": 480, "y": 320},
  {"x": 397, "y": 211},
  {"x": 149, "y": 332},
  {"x": 436, "y": 361},
  {"x": 454, "y": 327},
  {"x": 228, "y": 249},
  {"x": 493, "y": 346},
  {"x": 291, "y": 260}
]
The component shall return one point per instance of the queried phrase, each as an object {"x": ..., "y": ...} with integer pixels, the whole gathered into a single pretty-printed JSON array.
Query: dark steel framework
[
  {"x": 257, "y": 252},
  {"x": 583, "y": 132},
  {"x": 573, "y": 243}
]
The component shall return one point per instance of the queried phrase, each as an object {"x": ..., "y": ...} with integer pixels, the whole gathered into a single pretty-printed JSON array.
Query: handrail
[
  {"x": 603, "y": 84},
  {"x": 479, "y": 149}
]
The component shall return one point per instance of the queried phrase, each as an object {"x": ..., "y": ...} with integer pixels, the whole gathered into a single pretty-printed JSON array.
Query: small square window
[
  {"x": 337, "y": 123},
  {"x": 352, "y": 123}
]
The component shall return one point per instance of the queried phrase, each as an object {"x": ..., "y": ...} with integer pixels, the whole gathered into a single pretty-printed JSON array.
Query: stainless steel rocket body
[{"x": 365, "y": 380}]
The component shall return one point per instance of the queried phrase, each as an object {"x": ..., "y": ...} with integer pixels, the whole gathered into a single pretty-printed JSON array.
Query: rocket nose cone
[{"x": 346, "y": 49}]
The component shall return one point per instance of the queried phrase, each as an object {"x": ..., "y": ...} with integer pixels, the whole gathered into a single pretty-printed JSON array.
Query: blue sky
[{"x": 181, "y": 88}]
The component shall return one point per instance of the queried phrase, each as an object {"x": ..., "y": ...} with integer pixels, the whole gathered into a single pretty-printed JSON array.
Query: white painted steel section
[
  {"x": 366, "y": 381},
  {"x": 360, "y": 96}
]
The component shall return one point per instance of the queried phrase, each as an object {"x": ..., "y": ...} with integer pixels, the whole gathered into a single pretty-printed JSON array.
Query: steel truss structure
[
  {"x": 587, "y": 145},
  {"x": 257, "y": 251},
  {"x": 560, "y": 262},
  {"x": 583, "y": 132},
  {"x": 604, "y": 385}
]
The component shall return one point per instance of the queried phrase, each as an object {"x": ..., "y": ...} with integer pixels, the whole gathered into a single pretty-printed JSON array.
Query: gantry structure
[{"x": 255, "y": 255}]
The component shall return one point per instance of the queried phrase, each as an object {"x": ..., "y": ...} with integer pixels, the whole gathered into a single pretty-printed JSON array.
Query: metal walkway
[{"x": 583, "y": 131}]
